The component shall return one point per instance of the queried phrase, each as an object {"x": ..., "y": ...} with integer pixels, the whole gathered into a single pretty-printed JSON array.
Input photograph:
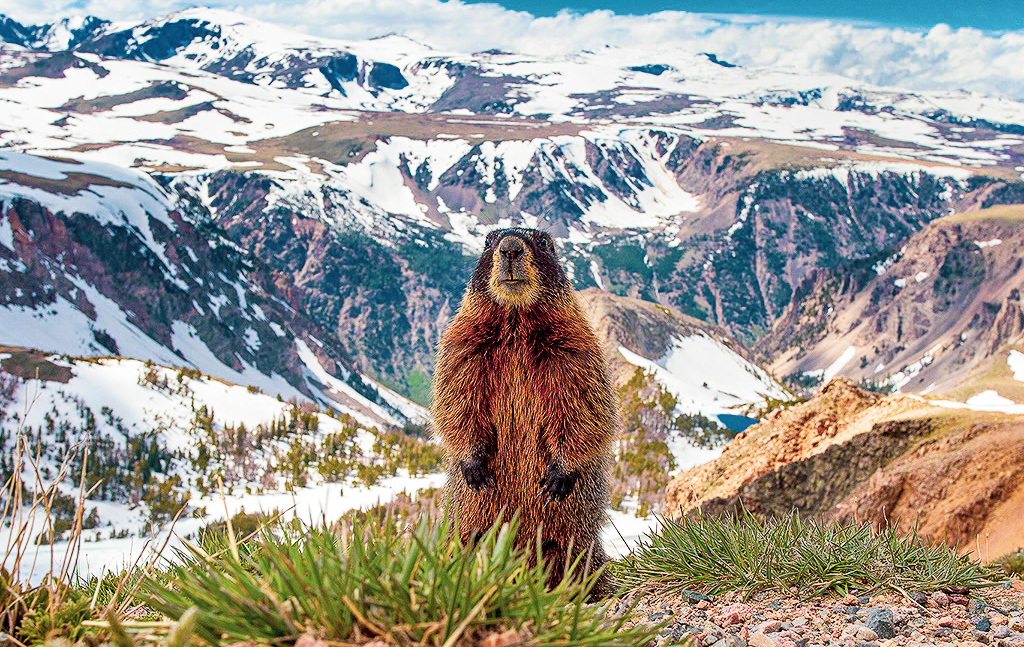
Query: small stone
[
  {"x": 983, "y": 624},
  {"x": 852, "y": 611},
  {"x": 864, "y": 600},
  {"x": 1017, "y": 585},
  {"x": 676, "y": 633},
  {"x": 859, "y": 632},
  {"x": 961, "y": 600},
  {"x": 786, "y": 626},
  {"x": 919, "y": 598},
  {"x": 981, "y": 637},
  {"x": 693, "y": 596},
  {"x": 713, "y": 631},
  {"x": 1001, "y": 631},
  {"x": 761, "y": 640},
  {"x": 951, "y": 622},
  {"x": 734, "y": 614},
  {"x": 880, "y": 621},
  {"x": 800, "y": 621},
  {"x": 866, "y": 643},
  {"x": 703, "y": 604},
  {"x": 977, "y": 606},
  {"x": 939, "y": 600},
  {"x": 998, "y": 619},
  {"x": 850, "y": 600},
  {"x": 768, "y": 627},
  {"x": 730, "y": 641}
]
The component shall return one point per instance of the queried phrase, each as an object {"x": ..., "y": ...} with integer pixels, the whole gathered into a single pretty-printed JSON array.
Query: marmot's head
[{"x": 518, "y": 267}]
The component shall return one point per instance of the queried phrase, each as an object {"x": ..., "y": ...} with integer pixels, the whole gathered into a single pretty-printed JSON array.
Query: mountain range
[{"x": 735, "y": 195}]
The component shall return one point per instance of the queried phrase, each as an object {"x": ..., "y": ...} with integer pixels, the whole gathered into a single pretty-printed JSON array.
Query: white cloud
[{"x": 941, "y": 58}]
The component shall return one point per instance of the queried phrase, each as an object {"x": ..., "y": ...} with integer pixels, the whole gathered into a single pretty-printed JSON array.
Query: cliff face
[
  {"x": 97, "y": 260},
  {"x": 849, "y": 454},
  {"x": 939, "y": 315}
]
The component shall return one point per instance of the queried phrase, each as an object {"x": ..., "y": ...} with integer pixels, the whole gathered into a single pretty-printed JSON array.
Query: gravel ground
[{"x": 982, "y": 617}]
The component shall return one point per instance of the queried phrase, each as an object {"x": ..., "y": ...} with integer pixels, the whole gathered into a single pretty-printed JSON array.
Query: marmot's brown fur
[{"x": 523, "y": 404}]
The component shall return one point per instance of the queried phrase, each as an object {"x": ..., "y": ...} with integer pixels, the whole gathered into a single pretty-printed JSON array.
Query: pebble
[
  {"x": 860, "y": 632},
  {"x": 1001, "y": 631},
  {"x": 734, "y": 614},
  {"x": 761, "y": 640},
  {"x": 983, "y": 624},
  {"x": 730, "y": 641},
  {"x": 950, "y": 621},
  {"x": 939, "y": 600},
  {"x": 880, "y": 621},
  {"x": 768, "y": 627}
]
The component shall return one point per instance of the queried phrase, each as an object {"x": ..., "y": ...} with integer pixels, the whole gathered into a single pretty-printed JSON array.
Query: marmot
[{"x": 524, "y": 406}]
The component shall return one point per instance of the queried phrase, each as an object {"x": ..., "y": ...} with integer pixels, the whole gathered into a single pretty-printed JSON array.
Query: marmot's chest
[{"x": 522, "y": 372}]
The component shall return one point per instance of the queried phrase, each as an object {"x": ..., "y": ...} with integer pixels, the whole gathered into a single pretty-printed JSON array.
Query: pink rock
[
  {"x": 734, "y": 614},
  {"x": 951, "y": 622}
]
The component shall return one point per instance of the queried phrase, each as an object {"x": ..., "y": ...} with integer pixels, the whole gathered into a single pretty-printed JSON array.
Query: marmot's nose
[{"x": 511, "y": 248}]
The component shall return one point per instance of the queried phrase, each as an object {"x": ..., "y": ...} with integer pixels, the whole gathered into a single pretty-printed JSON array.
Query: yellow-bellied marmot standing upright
[{"x": 523, "y": 403}]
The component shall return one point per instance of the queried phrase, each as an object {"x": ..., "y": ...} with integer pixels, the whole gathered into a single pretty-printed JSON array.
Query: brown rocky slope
[
  {"x": 940, "y": 315},
  {"x": 849, "y": 454}
]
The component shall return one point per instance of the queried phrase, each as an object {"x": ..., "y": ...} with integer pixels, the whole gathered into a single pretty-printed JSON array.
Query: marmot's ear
[{"x": 491, "y": 237}]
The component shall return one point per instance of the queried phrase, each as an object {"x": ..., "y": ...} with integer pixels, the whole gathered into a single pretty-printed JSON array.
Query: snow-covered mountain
[
  {"x": 363, "y": 176},
  {"x": 101, "y": 260}
]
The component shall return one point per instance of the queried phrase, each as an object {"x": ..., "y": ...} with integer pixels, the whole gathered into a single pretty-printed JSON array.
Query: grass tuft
[
  {"x": 1012, "y": 563},
  {"x": 745, "y": 553},
  {"x": 382, "y": 582}
]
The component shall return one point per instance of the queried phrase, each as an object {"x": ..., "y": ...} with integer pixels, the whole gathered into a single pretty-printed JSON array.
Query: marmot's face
[{"x": 517, "y": 266}]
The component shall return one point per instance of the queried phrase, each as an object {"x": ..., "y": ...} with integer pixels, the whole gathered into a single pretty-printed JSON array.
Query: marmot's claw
[
  {"x": 478, "y": 477},
  {"x": 558, "y": 483}
]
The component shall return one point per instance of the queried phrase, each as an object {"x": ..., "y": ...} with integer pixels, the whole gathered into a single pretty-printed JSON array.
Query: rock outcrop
[{"x": 852, "y": 455}]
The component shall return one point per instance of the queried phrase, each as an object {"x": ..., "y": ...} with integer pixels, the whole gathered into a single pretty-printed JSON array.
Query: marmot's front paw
[
  {"x": 478, "y": 476},
  {"x": 559, "y": 482}
]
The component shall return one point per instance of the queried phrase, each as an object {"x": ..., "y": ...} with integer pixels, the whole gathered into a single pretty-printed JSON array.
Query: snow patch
[{"x": 836, "y": 366}]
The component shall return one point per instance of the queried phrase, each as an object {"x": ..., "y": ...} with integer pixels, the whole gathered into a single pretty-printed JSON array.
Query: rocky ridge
[{"x": 953, "y": 473}]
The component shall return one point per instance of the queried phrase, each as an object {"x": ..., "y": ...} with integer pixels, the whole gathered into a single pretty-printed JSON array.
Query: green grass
[
  {"x": 1012, "y": 563},
  {"x": 378, "y": 581},
  {"x": 748, "y": 554}
]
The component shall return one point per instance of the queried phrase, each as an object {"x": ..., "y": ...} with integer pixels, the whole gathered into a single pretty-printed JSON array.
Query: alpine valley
[{"x": 227, "y": 251}]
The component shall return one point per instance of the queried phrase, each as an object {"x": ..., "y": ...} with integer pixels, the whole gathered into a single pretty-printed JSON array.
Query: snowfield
[{"x": 724, "y": 384}]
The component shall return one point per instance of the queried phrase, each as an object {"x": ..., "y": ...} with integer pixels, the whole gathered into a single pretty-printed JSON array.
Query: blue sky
[{"x": 922, "y": 14}]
